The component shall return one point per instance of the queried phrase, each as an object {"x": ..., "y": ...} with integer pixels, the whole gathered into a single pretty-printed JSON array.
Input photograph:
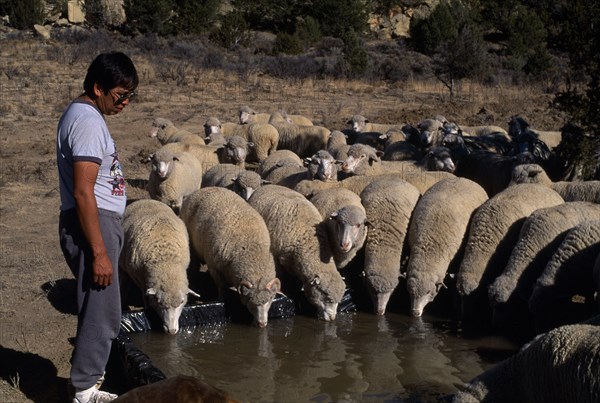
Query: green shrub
[
  {"x": 355, "y": 54},
  {"x": 288, "y": 44},
  {"x": 194, "y": 17},
  {"x": 146, "y": 16},
  {"x": 233, "y": 31},
  {"x": 308, "y": 31}
]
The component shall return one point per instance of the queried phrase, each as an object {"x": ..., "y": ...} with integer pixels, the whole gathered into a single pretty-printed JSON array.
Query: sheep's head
[
  {"x": 236, "y": 149},
  {"x": 168, "y": 306},
  {"x": 245, "y": 114},
  {"x": 162, "y": 164},
  {"x": 350, "y": 227},
  {"x": 258, "y": 299},
  {"x": 322, "y": 166},
  {"x": 358, "y": 123},
  {"x": 161, "y": 128},
  {"x": 422, "y": 292},
  {"x": 325, "y": 291},
  {"x": 439, "y": 159},
  {"x": 359, "y": 157},
  {"x": 246, "y": 183}
]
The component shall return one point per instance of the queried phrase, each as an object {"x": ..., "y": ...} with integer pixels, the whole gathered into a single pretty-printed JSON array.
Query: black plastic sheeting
[{"x": 139, "y": 369}]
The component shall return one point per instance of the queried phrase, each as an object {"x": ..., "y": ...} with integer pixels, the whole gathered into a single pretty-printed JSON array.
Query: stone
[{"x": 42, "y": 31}]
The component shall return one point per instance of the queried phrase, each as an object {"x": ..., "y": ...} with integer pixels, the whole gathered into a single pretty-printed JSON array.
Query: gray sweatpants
[{"x": 99, "y": 308}]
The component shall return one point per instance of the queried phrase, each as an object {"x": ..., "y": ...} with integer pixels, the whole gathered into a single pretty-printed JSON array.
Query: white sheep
[
  {"x": 436, "y": 234},
  {"x": 361, "y": 124},
  {"x": 246, "y": 183},
  {"x": 235, "y": 151},
  {"x": 173, "y": 176},
  {"x": 249, "y": 115},
  {"x": 389, "y": 204},
  {"x": 233, "y": 240},
  {"x": 559, "y": 366},
  {"x": 166, "y": 132},
  {"x": 207, "y": 155},
  {"x": 279, "y": 158},
  {"x": 299, "y": 244},
  {"x": 241, "y": 181},
  {"x": 540, "y": 235},
  {"x": 345, "y": 220},
  {"x": 337, "y": 145},
  {"x": 156, "y": 256},
  {"x": 493, "y": 233},
  {"x": 221, "y": 175},
  {"x": 263, "y": 136},
  {"x": 422, "y": 181},
  {"x": 303, "y": 140},
  {"x": 569, "y": 190},
  {"x": 320, "y": 166},
  {"x": 431, "y": 132},
  {"x": 564, "y": 293}
]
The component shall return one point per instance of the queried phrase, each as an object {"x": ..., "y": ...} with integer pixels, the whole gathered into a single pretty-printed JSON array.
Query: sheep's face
[
  {"x": 350, "y": 227},
  {"x": 168, "y": 306},
  {"x": 236, "y": 152},
  {"x": 359, "y": 157},
  {"x": 325, "y": 302},
  {"x": 421, "y": 293},
  {"x": 163, "y": 167},
  {"x": 358, "y": 123},
  {"x": 245, "y": 117},
  {"x": 439, "y": 159},
  {"x": 258, "y": 299},
  {"x": 322, "y": 166}
]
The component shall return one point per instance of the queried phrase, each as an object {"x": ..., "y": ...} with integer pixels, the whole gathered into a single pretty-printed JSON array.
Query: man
[{"x": 92, "y": 193}]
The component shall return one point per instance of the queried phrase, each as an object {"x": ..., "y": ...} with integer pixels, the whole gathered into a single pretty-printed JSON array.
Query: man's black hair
[{"x": 110, "y": 70}]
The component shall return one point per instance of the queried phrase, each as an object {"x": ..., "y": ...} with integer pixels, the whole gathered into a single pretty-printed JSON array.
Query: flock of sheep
[{"x": 479, "y": 211}]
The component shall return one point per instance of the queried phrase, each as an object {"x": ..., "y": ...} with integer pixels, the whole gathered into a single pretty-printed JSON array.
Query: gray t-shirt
[{"x": 82, "y": 135}]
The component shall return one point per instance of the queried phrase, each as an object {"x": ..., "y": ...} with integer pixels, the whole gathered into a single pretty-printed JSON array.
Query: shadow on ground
[{"x": 33, "y": 375}]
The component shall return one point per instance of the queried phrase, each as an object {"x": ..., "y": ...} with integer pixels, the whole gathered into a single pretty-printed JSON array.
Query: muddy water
[{"x": 358, "y": 358}]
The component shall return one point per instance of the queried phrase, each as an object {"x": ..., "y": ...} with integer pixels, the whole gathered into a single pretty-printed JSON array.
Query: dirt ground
[{"x": 37, "y": 300}]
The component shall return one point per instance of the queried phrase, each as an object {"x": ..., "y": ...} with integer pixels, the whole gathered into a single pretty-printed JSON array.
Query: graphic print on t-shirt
[{"x": 116, "y": 173}]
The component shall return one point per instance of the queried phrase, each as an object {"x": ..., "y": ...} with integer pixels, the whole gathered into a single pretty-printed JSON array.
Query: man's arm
[{"x": 84, "y": 179}]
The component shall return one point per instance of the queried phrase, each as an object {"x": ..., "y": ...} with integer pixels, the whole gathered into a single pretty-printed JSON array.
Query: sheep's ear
[
  {"x": 307, "y": 161},
  {"x": 150, "y": 291},
  {"x": 338, "y": 162},
  {"x": 384, "y": 136},
  {"x": 192, "y": 292},
  {"x": 175, "y": 158},
  {"x": 315, "y": 281},
  {"x": 333, "y": 215},
  {"x": 250, "y": 144},
  {"x": 368, "y": 223},
  {"x": 274, "y": 285},
  {"x": 402, "y": 275},
  {"x": 265, "y": 182}
]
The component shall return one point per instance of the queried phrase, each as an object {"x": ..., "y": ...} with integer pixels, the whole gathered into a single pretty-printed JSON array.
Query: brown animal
[{"x": 177, "y": 389}]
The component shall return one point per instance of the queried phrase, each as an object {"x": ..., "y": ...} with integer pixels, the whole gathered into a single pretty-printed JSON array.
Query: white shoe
[{"x": 93, "y": 395}]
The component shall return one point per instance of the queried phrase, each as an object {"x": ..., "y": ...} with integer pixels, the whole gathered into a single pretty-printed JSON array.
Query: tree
[
  {"x": 148, "y": 16},
  {"x": 339, "y": 17},
  {"x": 580, "y": 33},
  {"x": 23, "y": 14},
  {"x": 232, "y": 31},
  {"x": 194, "y": 17}
]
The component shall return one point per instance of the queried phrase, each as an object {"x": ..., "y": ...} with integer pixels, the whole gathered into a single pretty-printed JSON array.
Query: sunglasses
[{"x": 124, "y": 97}]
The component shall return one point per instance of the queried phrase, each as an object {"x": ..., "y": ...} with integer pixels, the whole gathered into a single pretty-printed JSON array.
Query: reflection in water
[{"x": 357, "y": 358}]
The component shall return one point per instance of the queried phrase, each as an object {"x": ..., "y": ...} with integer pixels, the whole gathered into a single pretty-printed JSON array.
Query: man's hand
[{"x": 102, "y": 270}]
